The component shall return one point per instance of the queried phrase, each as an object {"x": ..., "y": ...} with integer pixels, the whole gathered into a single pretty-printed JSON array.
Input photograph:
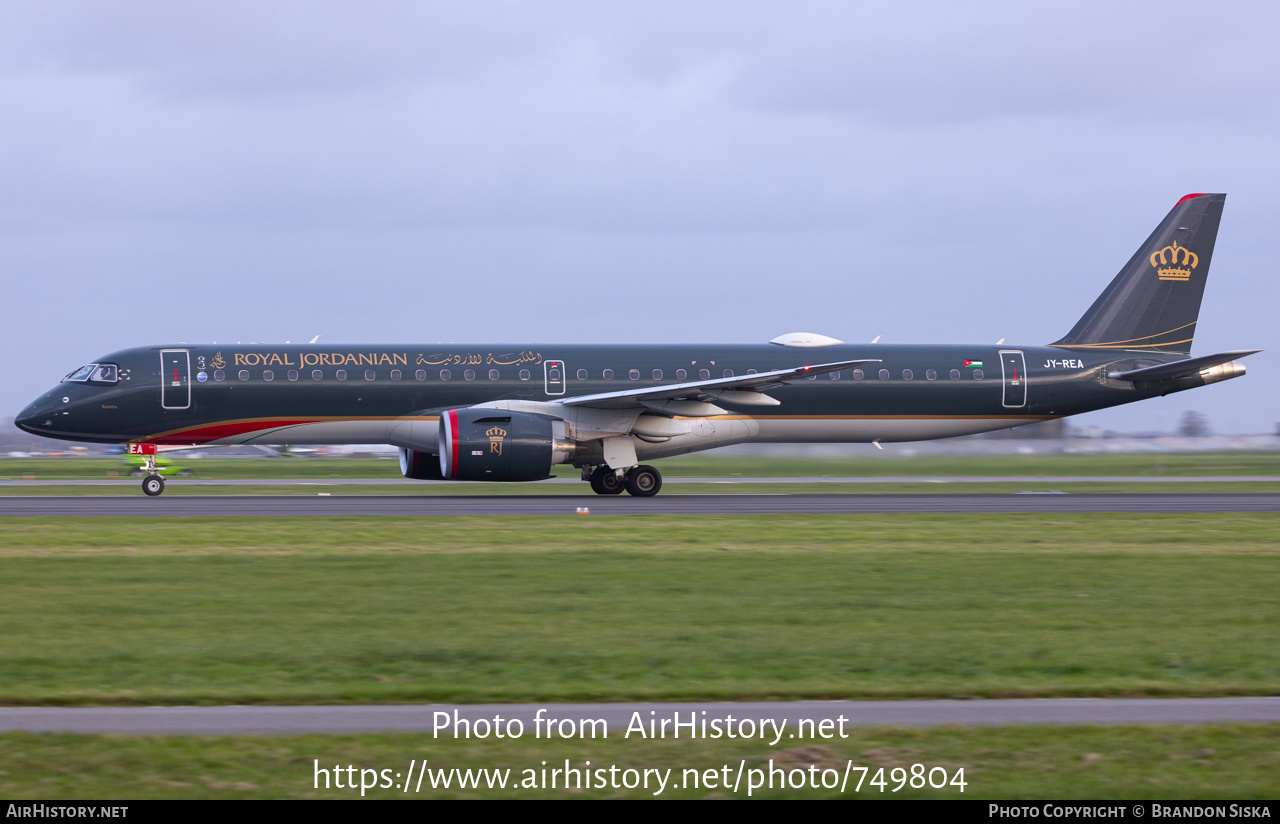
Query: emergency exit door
[
  {"x": 175, "y": 378},
  {"x": 1014, "y": 369},
  {"x": 553, "y": 371}
]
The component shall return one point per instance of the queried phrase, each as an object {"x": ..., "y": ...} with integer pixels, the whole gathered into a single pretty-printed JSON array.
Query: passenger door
[
  {"x": 1013, "y": 368},
  {"x": 175, "y": 378}
]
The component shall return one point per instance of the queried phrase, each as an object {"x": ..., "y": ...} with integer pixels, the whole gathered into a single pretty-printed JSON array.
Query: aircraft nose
[
  {"x": 26, "y": 419},
  {"x": 37, "y": 416}
]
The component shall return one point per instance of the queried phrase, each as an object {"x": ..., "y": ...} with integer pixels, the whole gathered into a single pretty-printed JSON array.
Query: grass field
[
  {"x": 300, "y": 610},
  {"x": 703, "y": 465},
  {"x": 541, "y": 609},
  {"x": 1218, "y": 761}
]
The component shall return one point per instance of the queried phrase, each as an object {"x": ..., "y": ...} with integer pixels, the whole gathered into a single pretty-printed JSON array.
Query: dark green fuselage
[{"x": 172, "y": 403}]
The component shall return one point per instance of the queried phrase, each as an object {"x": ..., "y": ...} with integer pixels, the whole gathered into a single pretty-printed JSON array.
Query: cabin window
[
  {"x": 293, "y": 374},
  {"x": 317, "y": 375},
  {"x": 420, "y": 375},
  {"x": 608, "y": 374},
  {"x": 931, "y": 374},
  {"x": 884, "y": 374},
  {"x": 268, "y": 375},
  {"x": 396, "y": 374},
  {"x": 469, "y": 375},
  {"x": 243, "y": 375},
  {"x": 977, "y": 374},
  {"x": 445, "y": 374},
  {"x": 634, "y": 374},
  {"x": 857, "y": 374},
  {"x": 681, "y": 374},
  {"x": 369, "y": 374},
  {"x": 955, "y": 374},
  {"x": 751, "y": 372},
  {"x": 907, "y": 374},
  {"x": 728, "y": 373},
  {"x": 657, "y": 374},
  {"x": 219, "y": 375},
  {"x": 524, "y": 374},
  {"x": 341, "y": 374},
  {"x": 704, "y": 374},
  {"x": 835, "y": 376},
  {"x": 582, "y": 374},
  {"x": 493, "y": 374}
]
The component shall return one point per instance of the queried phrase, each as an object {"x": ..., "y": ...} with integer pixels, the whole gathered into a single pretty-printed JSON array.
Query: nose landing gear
[
  {"x": 153, "y": 484},
  {"x": 640, "y": 481}
]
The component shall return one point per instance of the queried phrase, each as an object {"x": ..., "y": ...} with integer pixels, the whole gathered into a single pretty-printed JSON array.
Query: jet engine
[
  {"x": 479, "y": 444},
  {"x": 420, "y": 466}
]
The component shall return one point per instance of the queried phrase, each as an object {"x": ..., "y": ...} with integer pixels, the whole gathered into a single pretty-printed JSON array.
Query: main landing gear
[{"x": 641, "y": 481}]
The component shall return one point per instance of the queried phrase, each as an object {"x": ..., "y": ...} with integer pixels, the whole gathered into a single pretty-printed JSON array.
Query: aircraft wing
[
  {"x": 741, "y": 389},
  {"x": 1178, "y": 369}
]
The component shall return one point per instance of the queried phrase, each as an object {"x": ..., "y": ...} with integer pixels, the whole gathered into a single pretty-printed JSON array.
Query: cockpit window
[
  {"x": 105, "y": 373},
  {"x": 95, "y": 373}
]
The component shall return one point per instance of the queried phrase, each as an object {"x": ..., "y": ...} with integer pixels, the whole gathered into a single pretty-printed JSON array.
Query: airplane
[{"x": 511, "y": 413}]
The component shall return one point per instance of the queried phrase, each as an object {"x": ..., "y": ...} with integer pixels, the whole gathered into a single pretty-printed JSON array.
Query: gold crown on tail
[{"x": 1170, "y": 254}]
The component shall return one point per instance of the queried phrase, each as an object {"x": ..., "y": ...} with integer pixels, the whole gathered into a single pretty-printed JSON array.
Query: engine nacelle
[
  {"x": 479, "y": 444},
  {"x": 421, "y": 466}
]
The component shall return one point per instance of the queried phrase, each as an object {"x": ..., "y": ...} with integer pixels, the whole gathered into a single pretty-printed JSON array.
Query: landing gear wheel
[
  {"x": 605, "y": 481},
  {"x": 153, "y": 485},
  {"x": 644, "y": 481}
]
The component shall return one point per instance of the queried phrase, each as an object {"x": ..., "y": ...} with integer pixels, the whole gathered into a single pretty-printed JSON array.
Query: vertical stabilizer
[{"x": 1152, "y": 305}]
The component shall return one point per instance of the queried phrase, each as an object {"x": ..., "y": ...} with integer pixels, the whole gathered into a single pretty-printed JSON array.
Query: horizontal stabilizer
[{"x": 1182, "y": 368}]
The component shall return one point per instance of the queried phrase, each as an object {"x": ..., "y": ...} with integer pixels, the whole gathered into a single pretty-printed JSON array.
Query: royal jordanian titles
[{"x": 511, "y": 413}]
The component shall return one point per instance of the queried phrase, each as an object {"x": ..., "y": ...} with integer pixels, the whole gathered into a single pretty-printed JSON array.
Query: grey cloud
[{"x": 925, "y": 171}]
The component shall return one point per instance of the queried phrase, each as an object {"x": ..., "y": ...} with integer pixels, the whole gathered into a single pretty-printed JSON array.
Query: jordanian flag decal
[{"x": 973, "y": 363}]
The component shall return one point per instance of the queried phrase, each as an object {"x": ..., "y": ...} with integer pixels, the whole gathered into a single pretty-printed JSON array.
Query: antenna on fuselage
[
  {"x": 876, "y": 339},
  {"x": 313, "y": 340}
]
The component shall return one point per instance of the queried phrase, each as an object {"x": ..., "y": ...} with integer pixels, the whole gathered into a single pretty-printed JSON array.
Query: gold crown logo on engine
[
  {"x": 1166, "y": 262},
  {"x": 496, "y": 434}
]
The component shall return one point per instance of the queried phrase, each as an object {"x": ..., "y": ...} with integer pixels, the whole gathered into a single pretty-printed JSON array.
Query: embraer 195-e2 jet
[{"x": 511, "y": 413}]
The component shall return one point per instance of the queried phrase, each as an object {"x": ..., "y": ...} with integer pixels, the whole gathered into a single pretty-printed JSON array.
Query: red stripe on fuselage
[{"x": 218, "y": 431}]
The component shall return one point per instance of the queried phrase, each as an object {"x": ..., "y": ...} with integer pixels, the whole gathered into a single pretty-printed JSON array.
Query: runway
[
  {"x": 664, "y": 504},
  {"x": 268, "y": 720},
  {"x": 816, "y": 479}
]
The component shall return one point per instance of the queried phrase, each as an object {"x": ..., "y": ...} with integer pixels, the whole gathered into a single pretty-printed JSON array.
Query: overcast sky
[{"x": 649, "y": 172}]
